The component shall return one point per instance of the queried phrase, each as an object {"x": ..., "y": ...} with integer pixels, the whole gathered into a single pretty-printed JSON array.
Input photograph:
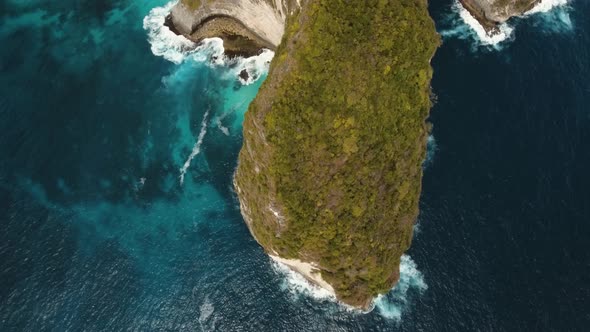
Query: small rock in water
[{"x": 244, "y": 75}]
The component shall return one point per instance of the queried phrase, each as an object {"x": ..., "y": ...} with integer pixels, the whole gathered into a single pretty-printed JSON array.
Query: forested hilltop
[{"x": 330, "y": 170}]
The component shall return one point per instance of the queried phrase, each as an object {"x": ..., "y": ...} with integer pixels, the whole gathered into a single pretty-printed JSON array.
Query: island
[{"x": 329, "y": 175}]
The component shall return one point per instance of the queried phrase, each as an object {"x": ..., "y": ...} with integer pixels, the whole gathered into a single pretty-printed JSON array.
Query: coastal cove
[{"x": 98, "y": 127}]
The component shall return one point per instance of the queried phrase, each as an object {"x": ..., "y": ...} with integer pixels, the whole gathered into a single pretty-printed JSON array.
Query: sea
[{"x": 119, "y": 139}]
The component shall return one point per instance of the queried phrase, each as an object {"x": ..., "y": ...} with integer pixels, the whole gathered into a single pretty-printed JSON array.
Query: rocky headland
[
  {"x": 329, "y": 175},
  {"x": 491, "y": 13}
]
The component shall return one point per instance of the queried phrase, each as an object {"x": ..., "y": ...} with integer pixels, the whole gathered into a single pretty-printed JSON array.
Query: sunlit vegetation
[{"x": 335, "y": 140}]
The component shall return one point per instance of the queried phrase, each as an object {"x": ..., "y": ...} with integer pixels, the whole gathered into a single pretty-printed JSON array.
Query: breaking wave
[
  {"x": 553, "y": 16},
  {"x": 206, "y": 310},
  {"x": 389, "y": 306},
  {"x": 178, "y": 49},
  {"x": 163, "y": 41}
]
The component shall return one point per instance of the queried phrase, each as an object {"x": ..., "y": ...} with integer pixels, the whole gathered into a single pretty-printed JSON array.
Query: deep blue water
[{"x": 99, "y": 233}]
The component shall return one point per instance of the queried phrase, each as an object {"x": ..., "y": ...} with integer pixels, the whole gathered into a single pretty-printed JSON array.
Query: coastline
[
  {"x": 478, "y": 13},
  {"x": 489, "y": 25}
]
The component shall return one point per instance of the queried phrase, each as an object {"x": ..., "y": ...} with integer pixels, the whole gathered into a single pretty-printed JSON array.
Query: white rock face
[
  {"x": 501, "y": 10},
  {"x": 265, "y": 18}
]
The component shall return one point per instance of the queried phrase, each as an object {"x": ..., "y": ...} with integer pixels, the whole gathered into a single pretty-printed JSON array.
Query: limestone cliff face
[
  {"x": 492, "y": 12},
  {"x": 245, "y": 25}
]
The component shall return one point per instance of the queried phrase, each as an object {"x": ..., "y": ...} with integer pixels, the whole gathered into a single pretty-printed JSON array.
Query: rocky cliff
[
  {"x": 246, "y": 26},
  {"x": 329, "y": 175},
  {"x": 490, "y": 13}
]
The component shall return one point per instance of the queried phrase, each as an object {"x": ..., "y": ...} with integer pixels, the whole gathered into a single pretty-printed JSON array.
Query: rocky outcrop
[
  {"x": 490, "y": 13},
  {"x": 246, "y": 26},
  {"x": 329, "y": 175}
]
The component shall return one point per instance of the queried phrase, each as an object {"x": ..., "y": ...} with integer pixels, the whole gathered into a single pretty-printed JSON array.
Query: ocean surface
[{"x": 118, "y": 141}]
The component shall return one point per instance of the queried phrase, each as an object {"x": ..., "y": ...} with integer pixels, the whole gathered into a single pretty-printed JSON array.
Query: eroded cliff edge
[
  {"x": 490, "y": 13},
  {"x": 246, "y": 26},
  {"x": 329, "y": 175}
]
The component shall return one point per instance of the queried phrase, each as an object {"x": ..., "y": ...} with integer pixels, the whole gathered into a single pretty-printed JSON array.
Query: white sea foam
[
  {"x": 475, "y": 29},
  {"x": 469, "y": 28},
  {"x": 164, "y": 42},
  {"x": 196, "y": 148},
  {"x": 211, "y": 50},
  {"x": 221, "y": 127},
  {"x": 490, "y": 39},
  {"x": 430, "y": 151},
  {"x": 140, "y": 184},
  {"x": 391, "y": 305},
  {"x": 178, "y": 49},
  {"x": 546, "y": 5},
  {"x": 255, "y": 66},
  {"x": 551, "y": 16}
]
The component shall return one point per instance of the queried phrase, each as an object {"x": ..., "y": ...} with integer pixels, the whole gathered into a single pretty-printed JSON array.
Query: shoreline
[
  {"x": 491, "y": 27},
  {"x": 238, "y": 40},
  {"x": 308, "y": 270},
  {"x": 246, "y": 28}
]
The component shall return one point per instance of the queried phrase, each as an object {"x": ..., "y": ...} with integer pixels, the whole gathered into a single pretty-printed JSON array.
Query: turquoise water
[{"x": 119, "y": 142}]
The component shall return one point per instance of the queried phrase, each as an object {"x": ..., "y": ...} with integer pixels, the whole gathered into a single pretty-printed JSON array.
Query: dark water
[{"x": 98, "y": 233}]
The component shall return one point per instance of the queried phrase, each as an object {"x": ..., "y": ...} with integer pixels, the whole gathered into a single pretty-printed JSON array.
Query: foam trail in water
[
  {"x": 552, "y": 16},
  {"x": 546, "y": 5},
  {"x": 553, "y": 21},
  {"x": 430, "y": 151},
  {"x": 196, "y": 147},
  {"x": 218, "y": 120},
  {"x": 391, "y": 305},
  {"x": 504, "y": 30},
  {"x": 475, "y": 29},
  {"x": 206, "y": 309},
  {"x": 221, "y": 127},
  {"x": 178, "y": 49}
]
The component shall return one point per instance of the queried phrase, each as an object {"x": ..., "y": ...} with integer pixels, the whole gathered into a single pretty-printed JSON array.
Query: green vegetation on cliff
[{"x": 330, "y": 170}]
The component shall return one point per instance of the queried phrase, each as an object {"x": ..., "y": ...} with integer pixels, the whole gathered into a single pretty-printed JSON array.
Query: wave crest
[
  {"x": 554, "y": 18},
  {"x": 163, "y": 41},
  {"x": 391, "y": 305}
]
